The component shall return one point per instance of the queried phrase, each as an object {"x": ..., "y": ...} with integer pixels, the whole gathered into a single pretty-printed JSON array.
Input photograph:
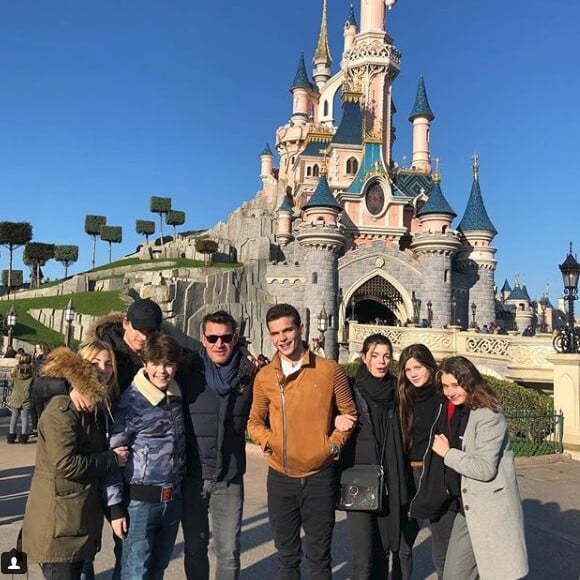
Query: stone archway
[{"x": 376, "y": 300}]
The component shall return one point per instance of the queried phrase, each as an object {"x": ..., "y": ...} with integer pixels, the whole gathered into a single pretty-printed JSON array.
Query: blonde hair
[{"x": 90, "y": 350}]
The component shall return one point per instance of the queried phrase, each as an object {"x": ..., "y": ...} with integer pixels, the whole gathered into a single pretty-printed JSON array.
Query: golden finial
[
  {"x": 475, "y": 159},
  {"x": 436, "y": 172},
  {"x": 324, "y": 164}
]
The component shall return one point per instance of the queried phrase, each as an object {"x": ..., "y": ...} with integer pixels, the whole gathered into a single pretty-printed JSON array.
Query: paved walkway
[{"x": 550, "y": 492}]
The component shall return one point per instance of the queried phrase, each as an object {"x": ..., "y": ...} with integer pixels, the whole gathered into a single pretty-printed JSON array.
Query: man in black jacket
[{"x": 217, "y": 393}]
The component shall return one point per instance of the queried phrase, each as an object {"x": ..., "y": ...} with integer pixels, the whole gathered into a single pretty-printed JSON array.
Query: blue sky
[{"x": 104, "y": 104}]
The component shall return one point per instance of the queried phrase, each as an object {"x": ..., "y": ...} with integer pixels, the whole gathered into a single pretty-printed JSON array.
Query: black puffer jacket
[{"x": 215, "y": 425}]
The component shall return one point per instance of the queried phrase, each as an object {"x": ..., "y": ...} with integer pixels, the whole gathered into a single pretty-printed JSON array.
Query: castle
[{"x": 338, "y": 227}]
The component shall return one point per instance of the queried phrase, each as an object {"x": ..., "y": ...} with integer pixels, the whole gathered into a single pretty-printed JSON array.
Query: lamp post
[
  {"x": 543, "y": 303},
  {"x": 430, "y": 313},
  {"x": 416, "y": 302},
  {"x": 69, "y": 316},
  {"x": 473, "y": 312},
  {"x": 453, "y": 309},
  {"x": 322, "y": 324},
  {"x": 11, "y": 318},
  {"x": 567, "y": 339}
]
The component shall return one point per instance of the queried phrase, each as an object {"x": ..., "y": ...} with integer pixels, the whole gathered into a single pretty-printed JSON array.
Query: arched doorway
[{"x": 376, "y": 301}]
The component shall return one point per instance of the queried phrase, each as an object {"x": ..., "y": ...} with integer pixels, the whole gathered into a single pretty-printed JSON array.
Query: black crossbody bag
[{"x": 362, "y": 487}]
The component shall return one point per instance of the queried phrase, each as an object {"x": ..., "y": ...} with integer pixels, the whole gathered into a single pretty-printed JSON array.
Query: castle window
[
  {"x": 314, "y": 278},
  {"x": 375, "y": 199},
  {"x": 325, "y": 108},
  {"x": 315, "y": 171},
  {"x": 444, "y": 230},
  {"x": 446, "y": 276},
  {"x": 351, "y": 166},
  {"x": 308, "y": 171}
]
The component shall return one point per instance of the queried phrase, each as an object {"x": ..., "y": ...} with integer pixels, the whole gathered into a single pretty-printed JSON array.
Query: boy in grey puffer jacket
[{"x": 146, "y": 502}]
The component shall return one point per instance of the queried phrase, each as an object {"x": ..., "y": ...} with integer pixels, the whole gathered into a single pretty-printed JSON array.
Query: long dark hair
[
  {"x": 374, "y": 340},
  {"x": 480, "y": 395},
  {"x": 405, "y": 388}
]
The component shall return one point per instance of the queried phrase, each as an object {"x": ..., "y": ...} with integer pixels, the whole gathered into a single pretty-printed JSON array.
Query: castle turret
[
  {"x": 300, "y": 90},
  {"x": 322, "y": 239},
  {"x": 284, "y": 231},
  {"x": 506, "y": 290},
  {"x": 350, "y": 30},
  {"x": 322, "y": 59},
  {"x": 435, "y": 244},
  {"x": 373, "y": 50},
  {"x": 267, "y": 162},
  {"x": 520, "y": 301},
  {"x": 476, "y": 258},
  {"x": 421, "y": 117}
]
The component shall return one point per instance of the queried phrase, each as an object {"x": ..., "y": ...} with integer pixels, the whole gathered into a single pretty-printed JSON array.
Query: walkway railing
[{"x": 536, "y": 434}]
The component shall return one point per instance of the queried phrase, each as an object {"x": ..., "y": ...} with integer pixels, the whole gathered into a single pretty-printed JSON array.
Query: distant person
[
  {"x": 528, "y": 331},
  {"x": 296, "y": 399},
  {"x": 10, "y": 352},
  {"x": 145, "y": 499},
  {"x": 20, "y": 400},
  {"x": 64, "y": 512},
  {"x": 41, "y": 350},
  {"x": 316, "y": 347}
]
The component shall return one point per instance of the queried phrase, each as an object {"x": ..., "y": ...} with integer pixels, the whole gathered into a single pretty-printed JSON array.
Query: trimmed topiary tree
[
  {"x": 66, "y": 255},
  {"x": 207, "y": 248},
  {"x": 175, "y": 218},
  {"x": 17, "y": 278},
  {"x": 93, "y": 225},
  {"x": 14, "y": 235},
  {"x": 36, "y": 254},
  {"x": 112, "y": 235},
  {"x": 162, "y": 206},
  {"x": 145, "y": 228}
]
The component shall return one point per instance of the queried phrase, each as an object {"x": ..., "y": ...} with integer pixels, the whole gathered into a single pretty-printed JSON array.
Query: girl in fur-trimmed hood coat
[{"x": 64, "y": 512}]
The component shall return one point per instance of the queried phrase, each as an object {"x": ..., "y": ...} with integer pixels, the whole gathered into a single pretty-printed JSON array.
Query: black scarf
[{"x": 219, "y": 378}]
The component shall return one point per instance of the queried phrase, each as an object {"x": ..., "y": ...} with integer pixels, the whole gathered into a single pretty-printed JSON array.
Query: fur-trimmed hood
[
  {"x": 68, "y": 366},
  {"x": 106, "y": 328}
]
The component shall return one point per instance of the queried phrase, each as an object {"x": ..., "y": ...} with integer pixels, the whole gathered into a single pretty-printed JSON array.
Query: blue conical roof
[
  {"x": 506, "y": 287},
  {"x": 285, "y": 205},
  {"x": 519, "y": 293},
  {"x": 421, "y": 108},
  {"x": 475, "y": 217},
  {"x": 322, "y": 196},
  {"x": 267, "y": 150},
  {"x": 436, "y": 203},
  {"x": 351, "y": 19},
  {"x": 350, "y": 130},
  {"x": 301, "y": 78}
]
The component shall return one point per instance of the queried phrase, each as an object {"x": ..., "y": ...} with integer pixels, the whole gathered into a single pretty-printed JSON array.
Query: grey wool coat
[{"x": 490, "y": 495}]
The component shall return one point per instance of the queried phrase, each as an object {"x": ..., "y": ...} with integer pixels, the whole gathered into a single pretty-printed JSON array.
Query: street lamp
[
  {"x": 322, "y": 324},
  {"x": 69, "y": 316},
  {"x": 473, "y": 311},
  {"x": 567, "y": 339},
  {"x": 416, "y": 307},
  {"x": 430, "y": 313},
  {"x": 543, "y": 303},
  {"x": 11, "y": 323},
  {"x": 453, "y": 308}
]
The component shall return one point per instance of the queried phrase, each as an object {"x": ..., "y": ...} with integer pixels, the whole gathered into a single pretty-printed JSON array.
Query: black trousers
[{"x": 306, "y": 502}]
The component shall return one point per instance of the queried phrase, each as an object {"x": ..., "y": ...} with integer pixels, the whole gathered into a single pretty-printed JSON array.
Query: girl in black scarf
[{"x": 377, "y": 440}]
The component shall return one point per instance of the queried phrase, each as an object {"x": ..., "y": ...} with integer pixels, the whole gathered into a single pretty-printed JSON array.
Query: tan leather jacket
[{"x": 294, "y": 416}]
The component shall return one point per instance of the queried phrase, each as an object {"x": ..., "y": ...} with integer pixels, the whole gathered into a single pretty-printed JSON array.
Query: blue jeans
[
  {"x": 149, "y": 543},
  {"x": 224, "y": 501},
  {"x": 24, "y": 414}
]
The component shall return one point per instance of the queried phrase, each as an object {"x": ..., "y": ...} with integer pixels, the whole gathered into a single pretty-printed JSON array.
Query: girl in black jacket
[
  {"x": 418, "y": 405},
  {"x": 377, "y": 440}
]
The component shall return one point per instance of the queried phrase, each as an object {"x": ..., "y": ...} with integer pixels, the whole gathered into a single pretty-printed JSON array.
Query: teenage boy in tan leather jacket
[{"x": 296, "y": 399}]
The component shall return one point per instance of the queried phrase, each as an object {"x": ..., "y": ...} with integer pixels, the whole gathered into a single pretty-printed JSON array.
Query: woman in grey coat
[{"x": 487, "y": 539}]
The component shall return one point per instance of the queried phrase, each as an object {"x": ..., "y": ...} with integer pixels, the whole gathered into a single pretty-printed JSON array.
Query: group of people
[{"x": 140, "y": 431}]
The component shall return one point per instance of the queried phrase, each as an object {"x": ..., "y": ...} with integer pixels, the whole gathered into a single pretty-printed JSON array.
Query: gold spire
[
  {"x": 475, "y": 159},
  {"x": 322, "y": 54}
]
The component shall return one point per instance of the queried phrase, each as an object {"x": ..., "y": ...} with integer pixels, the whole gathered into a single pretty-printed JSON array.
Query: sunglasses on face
[{"x": 213, "y": 338}]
